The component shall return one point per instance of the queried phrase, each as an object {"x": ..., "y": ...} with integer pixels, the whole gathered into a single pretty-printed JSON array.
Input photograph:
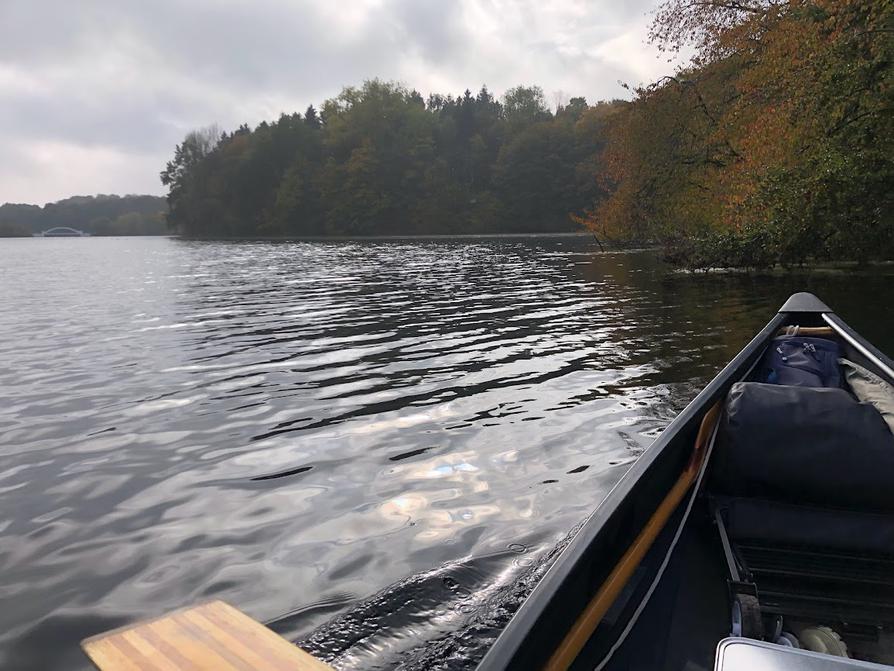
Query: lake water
[{"x": 394, "y": 434}]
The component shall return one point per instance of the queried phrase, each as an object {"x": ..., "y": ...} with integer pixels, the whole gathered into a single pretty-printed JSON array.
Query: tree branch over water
[{"x": 775, "y": 145}]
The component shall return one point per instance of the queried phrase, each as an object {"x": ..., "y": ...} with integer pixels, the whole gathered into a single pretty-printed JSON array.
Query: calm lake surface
[{"x": 396, "y": 434}]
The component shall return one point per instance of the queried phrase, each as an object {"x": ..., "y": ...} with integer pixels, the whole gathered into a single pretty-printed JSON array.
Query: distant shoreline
[
  {"x": 323, "y": 238},
  {"x": 342, "y": 238}
]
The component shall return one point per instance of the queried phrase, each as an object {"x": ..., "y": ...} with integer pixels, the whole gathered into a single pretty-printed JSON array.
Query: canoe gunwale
[{"x": 882, "y": 363}]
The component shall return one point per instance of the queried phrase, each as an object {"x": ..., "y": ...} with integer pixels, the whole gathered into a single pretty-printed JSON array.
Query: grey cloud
[{"x": 111, "y": 79}]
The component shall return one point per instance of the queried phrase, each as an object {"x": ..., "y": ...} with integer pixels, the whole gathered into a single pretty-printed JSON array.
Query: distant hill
[{"x": 97, "y": 215}]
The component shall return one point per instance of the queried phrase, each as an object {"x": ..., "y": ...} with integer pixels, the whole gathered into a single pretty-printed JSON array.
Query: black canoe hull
[{"x": 549, "y": 612}]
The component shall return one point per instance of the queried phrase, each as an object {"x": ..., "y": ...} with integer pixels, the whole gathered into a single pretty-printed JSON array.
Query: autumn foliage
[{"x": 776, "y": 144}]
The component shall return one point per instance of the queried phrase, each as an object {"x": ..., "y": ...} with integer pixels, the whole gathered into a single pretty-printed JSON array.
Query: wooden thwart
[
  {"x": 208, "y": 636},
  {"x": 809, "y": 331}
]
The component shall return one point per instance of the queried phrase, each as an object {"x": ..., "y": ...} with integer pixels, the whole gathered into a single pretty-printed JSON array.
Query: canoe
[{"x": 659, "y": 578}]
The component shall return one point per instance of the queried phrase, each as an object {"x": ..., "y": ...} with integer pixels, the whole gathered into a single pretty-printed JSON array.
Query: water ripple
[{"x": 396, "y": 433}]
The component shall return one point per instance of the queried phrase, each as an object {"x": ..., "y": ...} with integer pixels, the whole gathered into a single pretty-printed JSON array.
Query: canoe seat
[
  {"x": 777, "y": 522},
  {"x": 818, "y": 564},
  {"x": 802, "y": 481}
]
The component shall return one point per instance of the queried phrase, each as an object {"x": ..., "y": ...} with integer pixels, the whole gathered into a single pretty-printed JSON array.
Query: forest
[
  {"x": 96, "y": 215},
  {"x": 774, "y": 145},
  {"x": 382, "y": 160}
]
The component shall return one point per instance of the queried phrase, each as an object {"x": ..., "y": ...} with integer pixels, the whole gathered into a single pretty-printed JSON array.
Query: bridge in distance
[{"x": 61, "y": 232}]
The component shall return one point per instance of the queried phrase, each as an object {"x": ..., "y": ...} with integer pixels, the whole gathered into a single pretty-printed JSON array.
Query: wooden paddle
[
  {"x": 592, "y": 615},
  {"x": 208, "y": 637}
]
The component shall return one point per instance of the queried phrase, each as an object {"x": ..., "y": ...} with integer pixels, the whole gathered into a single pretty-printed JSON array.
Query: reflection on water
[{"x": 394, "y": 434}]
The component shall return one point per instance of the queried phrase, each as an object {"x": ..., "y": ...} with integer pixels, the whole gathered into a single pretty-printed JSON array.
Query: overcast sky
[{"x": 94, "y": 94}]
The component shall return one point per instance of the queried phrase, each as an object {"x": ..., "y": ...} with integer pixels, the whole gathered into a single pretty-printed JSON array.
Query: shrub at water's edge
[
  {"x": 776, "y": 146},
  {"x": 9, "y": 229}
]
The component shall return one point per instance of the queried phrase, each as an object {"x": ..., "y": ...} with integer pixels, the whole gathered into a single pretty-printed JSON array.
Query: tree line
[
  {"x": 775, "y": 146},
  {"x": 97, "y": 215},
  {"x": 380, "y": 159}
]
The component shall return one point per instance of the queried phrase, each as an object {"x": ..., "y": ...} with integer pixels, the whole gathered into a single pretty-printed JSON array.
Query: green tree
[
  {"x": 523, "y": 105},
  {"x": 183, "y": 176},
  {"x": 535, "y": 176}
]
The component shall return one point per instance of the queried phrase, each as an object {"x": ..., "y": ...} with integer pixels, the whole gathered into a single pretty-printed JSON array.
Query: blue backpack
[{"x": 801, "y": 362}]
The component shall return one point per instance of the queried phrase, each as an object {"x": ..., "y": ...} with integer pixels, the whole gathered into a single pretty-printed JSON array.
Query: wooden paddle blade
[{"x": 211, "y": 636}]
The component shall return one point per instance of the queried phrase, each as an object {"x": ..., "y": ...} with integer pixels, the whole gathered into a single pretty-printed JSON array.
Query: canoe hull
[{"x": 555, "y": 604}]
